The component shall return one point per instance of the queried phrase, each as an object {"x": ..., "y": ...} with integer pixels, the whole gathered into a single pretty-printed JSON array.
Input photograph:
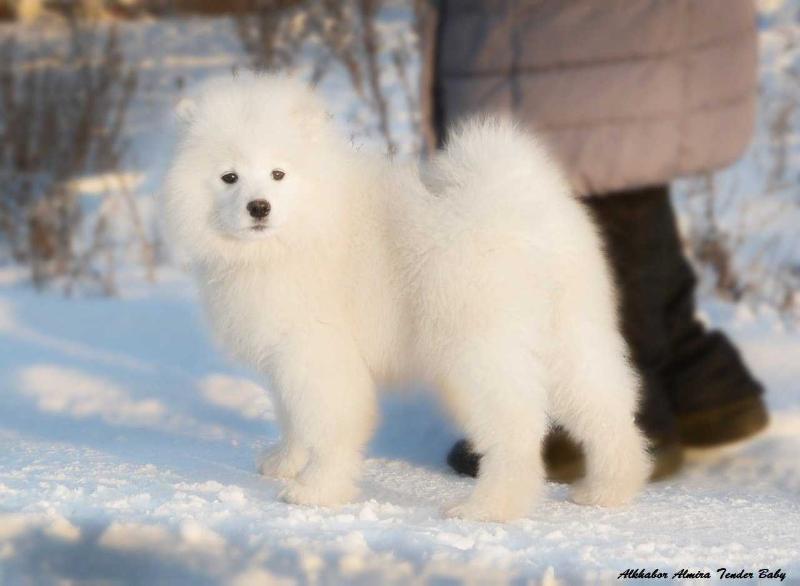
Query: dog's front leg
[
  {"x": 290, "y": 456},
  {"x": 329, "y": 401}
]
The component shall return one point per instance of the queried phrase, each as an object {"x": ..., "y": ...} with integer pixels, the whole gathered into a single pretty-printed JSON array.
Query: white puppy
[{"x": 334, "y": 272}]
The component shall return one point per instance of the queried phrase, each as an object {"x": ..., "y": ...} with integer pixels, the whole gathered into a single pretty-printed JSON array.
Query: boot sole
[{"x": 723, "y": 425}]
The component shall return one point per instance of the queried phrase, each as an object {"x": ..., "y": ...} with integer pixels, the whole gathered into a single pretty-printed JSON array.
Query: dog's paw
[
  {"x": 282, "y": 462},
  {"x": 485, "y": 510},
  {"x": 332, "y": 495},
  {"x": 601, "y": 494}
]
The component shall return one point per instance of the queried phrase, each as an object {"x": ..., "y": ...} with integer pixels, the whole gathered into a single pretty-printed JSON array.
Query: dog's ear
[{"x": 185, "y": 111}]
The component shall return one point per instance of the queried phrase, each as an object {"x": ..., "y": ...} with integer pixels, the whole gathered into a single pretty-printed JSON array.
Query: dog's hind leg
[
  {"x": 595, "y": 401},
  {"x": 495, "y": 392}
]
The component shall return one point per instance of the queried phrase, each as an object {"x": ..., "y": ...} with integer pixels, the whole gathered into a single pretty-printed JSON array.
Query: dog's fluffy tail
[{"x": 493, "y": 167}]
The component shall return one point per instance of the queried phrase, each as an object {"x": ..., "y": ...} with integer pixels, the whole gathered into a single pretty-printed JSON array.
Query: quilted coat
[{"x": 628, "y": 93}]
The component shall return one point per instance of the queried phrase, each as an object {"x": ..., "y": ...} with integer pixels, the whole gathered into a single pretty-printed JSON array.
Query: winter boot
[{"x": 713, "y": 394}]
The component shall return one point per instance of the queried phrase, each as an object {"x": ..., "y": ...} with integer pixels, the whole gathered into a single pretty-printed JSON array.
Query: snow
[
  {"x": 128, "y": 441},
  {"x": 129, "y": 446}
]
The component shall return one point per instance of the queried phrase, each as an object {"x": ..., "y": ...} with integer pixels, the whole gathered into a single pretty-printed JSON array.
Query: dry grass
[
  {"x": 62, "y": 111},
  {"x": 340, "y": 35}
]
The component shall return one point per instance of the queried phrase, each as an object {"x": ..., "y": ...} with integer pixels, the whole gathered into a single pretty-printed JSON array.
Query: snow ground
[
  {"x": 127, "y": 441},
  {"x": 128, "y": 445}
]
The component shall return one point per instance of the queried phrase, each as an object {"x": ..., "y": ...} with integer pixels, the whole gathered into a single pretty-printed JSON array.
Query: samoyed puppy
[{"x": 335, "y": 272}]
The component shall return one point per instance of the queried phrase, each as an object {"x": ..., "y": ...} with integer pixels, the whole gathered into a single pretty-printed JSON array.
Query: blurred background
[
  {"x": 127, "y": 440},
  {"x": 87, "y": 86}
]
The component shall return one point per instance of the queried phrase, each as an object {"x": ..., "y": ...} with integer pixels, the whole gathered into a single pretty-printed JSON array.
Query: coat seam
[
  {"x": 582, "y": 64},
  {"x": 725, "y": 103}
]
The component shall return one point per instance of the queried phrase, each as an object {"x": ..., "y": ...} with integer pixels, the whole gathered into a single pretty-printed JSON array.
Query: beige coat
[{"x": 628, "y": 92}]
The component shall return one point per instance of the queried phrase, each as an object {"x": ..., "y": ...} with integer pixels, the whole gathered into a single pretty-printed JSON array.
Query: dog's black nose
[{"x": 259, "y": 208}]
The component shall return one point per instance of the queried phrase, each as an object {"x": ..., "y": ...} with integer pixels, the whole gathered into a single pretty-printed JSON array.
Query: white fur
[{"x": 479, "y": 274}]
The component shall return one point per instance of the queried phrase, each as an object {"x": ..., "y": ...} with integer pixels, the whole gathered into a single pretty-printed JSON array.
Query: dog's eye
[
  {"x": 277, "y": 174},
  {"x": 230, "y": 178}
]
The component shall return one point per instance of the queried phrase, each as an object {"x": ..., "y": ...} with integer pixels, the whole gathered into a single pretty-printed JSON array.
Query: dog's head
[{"x": 255, "y": 155}]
